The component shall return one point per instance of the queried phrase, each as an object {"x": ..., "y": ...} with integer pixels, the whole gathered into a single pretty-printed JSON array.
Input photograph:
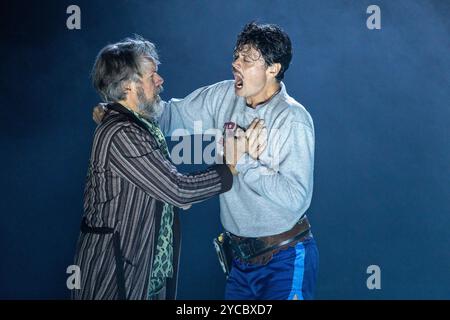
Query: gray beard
[{"x": 149, "y": 108}]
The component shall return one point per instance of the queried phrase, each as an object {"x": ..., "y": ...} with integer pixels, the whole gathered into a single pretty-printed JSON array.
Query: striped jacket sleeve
[{"x": 134, "y": 156}]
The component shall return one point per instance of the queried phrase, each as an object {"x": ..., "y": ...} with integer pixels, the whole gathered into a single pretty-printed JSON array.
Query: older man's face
[
  {"x": 149, "y": 88},
  {"x": 151, "y": 80}
]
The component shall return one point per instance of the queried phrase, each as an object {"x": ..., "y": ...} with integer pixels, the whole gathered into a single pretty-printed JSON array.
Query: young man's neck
[{"x": 264, "y": 96}]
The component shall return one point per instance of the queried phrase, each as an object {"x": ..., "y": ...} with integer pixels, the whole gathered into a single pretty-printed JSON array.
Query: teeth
[{"x": 238, "y": 82}]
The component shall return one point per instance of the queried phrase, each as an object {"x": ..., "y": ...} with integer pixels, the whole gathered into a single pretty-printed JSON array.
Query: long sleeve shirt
[{"x": 270, "y": 194}]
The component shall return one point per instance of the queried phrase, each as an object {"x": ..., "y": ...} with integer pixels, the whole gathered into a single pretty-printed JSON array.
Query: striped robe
[{"x": 127, "y": 182}]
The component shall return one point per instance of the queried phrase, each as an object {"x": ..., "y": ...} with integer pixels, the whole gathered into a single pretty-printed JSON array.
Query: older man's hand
[
  {"x": 256, "y": 135},
  {"x": 234, "y": 147},
  {"x": 252, "y": 141}
]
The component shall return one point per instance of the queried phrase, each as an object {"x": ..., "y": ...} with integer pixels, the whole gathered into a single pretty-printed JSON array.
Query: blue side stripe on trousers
[{"x": 299, "y": 268}]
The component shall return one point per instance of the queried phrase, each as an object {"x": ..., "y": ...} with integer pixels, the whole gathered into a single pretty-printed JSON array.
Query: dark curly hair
[{"x": 273, "y": 43}]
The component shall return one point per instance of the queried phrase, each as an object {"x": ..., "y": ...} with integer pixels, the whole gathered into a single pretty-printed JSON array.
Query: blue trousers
[{"x": 290, "y": 275}]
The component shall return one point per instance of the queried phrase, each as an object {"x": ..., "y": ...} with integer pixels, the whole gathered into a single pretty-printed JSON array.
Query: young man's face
[{"x": 250, "y": 72}]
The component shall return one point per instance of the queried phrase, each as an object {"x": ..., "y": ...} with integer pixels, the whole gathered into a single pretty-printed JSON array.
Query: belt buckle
[
  {"x": 248, "y": 247},
  {"x": 244, "y": 250}
]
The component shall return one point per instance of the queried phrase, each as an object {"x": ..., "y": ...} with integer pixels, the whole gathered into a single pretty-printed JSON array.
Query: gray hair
[{"x": 119, "y": 63}]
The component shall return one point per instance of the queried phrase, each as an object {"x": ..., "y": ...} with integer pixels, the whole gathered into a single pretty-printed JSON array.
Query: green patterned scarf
[{"x": 163, "y": 258}]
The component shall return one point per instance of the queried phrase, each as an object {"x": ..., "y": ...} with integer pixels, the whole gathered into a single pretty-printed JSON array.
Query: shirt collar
[
  {"x": 131, "y": 115},
  {"x": 280, "y": 95}
]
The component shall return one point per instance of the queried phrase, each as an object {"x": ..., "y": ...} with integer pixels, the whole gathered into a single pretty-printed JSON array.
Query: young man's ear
[{"x": 274, "y": 69}]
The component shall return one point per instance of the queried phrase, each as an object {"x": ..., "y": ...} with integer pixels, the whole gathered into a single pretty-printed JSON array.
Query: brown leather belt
[{"x": 260, "y": 250}]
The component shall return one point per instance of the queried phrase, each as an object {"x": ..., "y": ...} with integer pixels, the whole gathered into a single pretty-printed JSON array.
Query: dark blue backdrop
[{"x": 379, "y": 100}]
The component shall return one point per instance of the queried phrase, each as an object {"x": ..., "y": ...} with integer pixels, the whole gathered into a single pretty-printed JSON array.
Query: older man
[{"x": 128, "y": 237}]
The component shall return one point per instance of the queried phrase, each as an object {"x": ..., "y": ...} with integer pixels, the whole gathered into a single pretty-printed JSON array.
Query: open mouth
[{"x": 238, "y": 81}]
